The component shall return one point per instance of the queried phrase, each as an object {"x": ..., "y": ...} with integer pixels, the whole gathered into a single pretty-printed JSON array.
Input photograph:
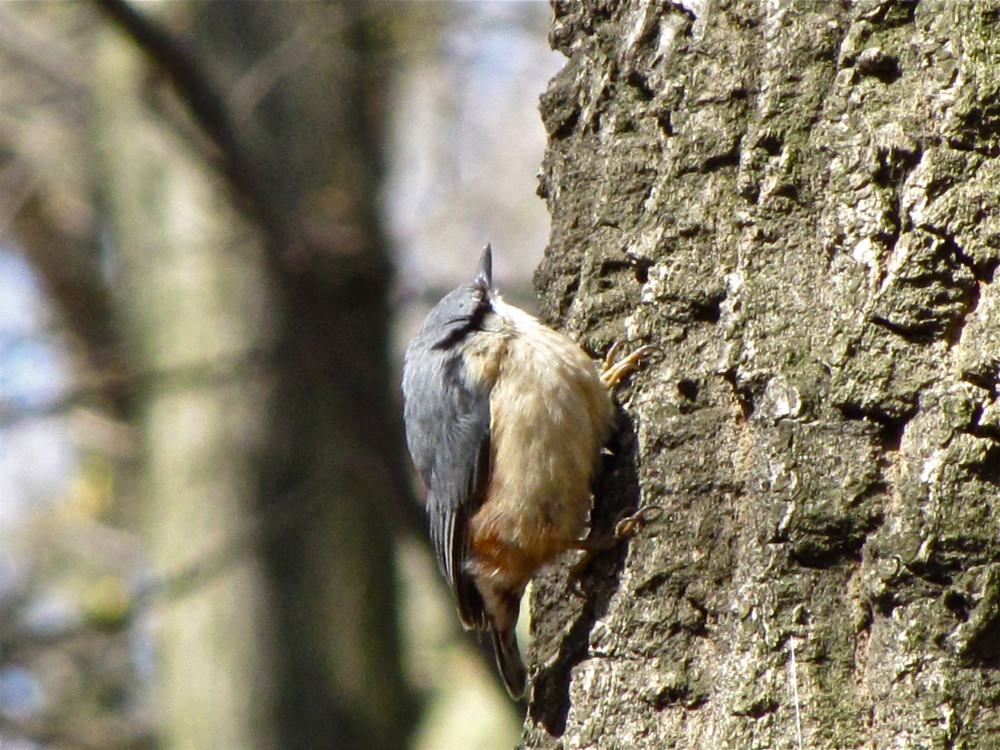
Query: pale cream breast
[{"x": 550, "y": 417}]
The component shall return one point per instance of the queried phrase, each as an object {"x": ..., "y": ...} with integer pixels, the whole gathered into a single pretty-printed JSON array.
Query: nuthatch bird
[{"x": 505, "y": 421}]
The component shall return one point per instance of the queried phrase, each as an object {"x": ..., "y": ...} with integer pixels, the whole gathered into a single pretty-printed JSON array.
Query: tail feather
[{"x": 509, "y": 662}]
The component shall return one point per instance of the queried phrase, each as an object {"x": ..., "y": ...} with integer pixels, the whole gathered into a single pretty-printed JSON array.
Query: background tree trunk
[
  {"x": 194, "y": 310},
  {"x": 335, "y": 422},
  {"x": 204, "y": 500},
  {"x": 282, "y": 433},
  {"x": 798, "y": 202}
]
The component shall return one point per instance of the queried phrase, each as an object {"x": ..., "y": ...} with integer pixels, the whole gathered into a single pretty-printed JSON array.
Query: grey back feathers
[{"x": 447, "y": 417}]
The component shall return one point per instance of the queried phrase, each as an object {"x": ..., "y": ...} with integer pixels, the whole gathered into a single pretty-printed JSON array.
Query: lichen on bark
[{"x": 797, "y": 202}]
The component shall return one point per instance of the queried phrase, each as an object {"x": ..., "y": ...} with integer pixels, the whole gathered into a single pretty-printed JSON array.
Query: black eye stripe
[{"x": 468, "y": 325}]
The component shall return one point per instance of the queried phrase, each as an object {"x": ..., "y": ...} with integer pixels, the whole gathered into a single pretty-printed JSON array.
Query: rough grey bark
[{"x": 799, "y": 203}]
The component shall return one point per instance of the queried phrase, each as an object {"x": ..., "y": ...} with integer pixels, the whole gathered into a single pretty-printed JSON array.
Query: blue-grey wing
[{"x": 448, "y": 434}]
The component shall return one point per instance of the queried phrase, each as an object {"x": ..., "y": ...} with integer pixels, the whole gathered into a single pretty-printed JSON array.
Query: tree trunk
[
  {"x": 195, "y": 310},
  {"x": 798, "y": 203},
  {"x": 336, "y": 466},
  {"x": 281, "y": 428}
]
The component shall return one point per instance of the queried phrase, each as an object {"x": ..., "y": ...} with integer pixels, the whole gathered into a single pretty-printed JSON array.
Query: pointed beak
[{"x": 484, "y": 276}]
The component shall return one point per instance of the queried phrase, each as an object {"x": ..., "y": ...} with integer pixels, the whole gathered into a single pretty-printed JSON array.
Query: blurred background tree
[{"x": 209, "y": 530}]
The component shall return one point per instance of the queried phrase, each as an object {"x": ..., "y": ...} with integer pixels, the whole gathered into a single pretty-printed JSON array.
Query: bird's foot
[
  {"x": 616, "y": 368},
  {"x": 625, "y": 528}
]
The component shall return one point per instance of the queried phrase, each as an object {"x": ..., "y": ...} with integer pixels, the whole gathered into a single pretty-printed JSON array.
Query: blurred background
[{"x": 219, "y": 224}]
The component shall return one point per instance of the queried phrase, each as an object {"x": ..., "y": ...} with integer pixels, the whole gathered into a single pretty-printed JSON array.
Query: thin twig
[{"x": 258, "y": 81}]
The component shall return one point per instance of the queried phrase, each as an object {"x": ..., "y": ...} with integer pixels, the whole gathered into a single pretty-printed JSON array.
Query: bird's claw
[
  {"x": 614, "y": 369},
  {"x": 627, "y": 527}
]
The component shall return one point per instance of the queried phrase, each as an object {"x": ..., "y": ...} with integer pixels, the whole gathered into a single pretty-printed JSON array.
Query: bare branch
[
  {"x": 255, "y": 84},
  {"x": 192, "y": 84}
]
